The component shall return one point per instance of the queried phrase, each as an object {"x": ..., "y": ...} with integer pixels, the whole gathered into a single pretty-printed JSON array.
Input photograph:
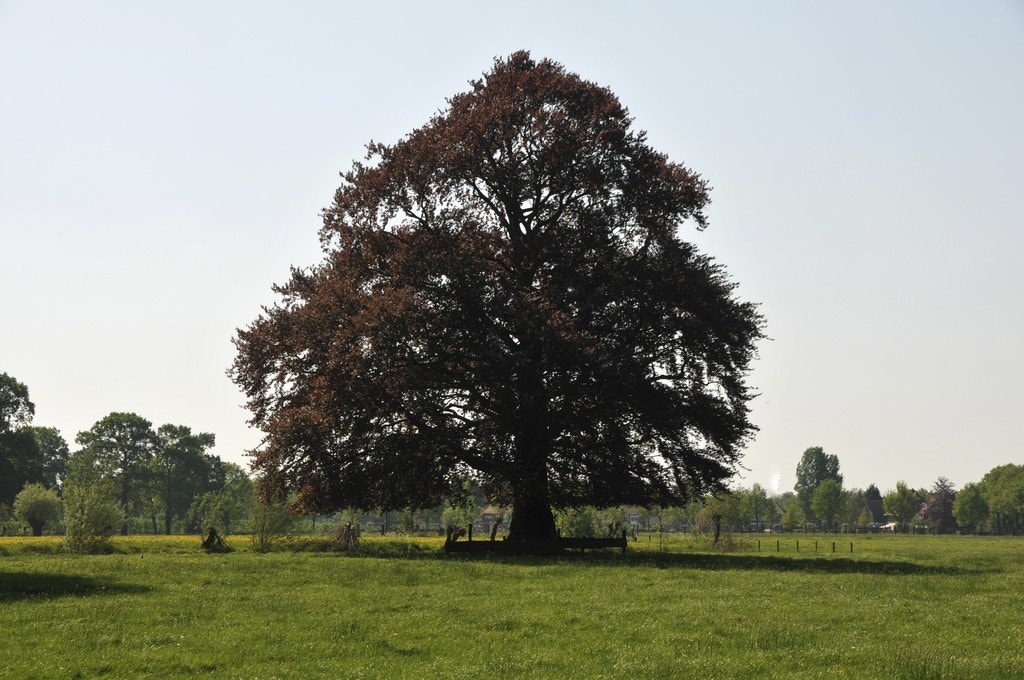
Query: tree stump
[
  {"x": 347, "y": 537},
  {"x": 214, "y": 543}
]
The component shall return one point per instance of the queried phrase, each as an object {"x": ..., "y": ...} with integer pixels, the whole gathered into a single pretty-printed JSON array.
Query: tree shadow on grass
[
  {"x": 733, "y": 562},
  {"x": 711, "y": 561},
  {"x": 24, "y": 585},
  {"x": 825, "y": 565}
]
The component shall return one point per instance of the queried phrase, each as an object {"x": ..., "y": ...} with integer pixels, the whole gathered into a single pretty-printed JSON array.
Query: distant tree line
[
  {"x": 127, "y": 477},
  {"x": 819, "y": 501},
  {"x": 124, "y": 477}
]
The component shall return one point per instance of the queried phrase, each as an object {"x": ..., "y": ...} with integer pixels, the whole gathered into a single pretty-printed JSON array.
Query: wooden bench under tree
[{"x": 554, "y": 547}]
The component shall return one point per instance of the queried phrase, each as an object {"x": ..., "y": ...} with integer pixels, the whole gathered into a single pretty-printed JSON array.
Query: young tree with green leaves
[
  {"x": 828, "y": 502},
  {"x": 854, "y": 511},
  {"x": 505, "y": 291},
  {"x": 793, "y": 516},
  {"x": 902, "y": 504},
  {"x": 757, "y": 506},
  {"x": 36, "y": 505},
  {"x": 268, "y": 522},
  {"x": 92, "y": 513},
  {"x": 720, "y": 509}
]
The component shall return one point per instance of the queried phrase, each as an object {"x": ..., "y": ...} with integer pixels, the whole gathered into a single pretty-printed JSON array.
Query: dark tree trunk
[
  {"x": 124, "y": 503},
  {"x": 532, "y": 519},
  {"x": 37, "y": 528}
]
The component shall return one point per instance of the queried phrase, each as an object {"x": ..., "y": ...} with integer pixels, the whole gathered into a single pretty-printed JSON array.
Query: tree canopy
[
  {"x": 827, "y": 502},
  {"x": 36, "y": 505},
  {"x": 16, "y": 409},
  {"x": 54, "y": 452},
  {"x": 1003, "y": 490},
  {"x": 20, "y": 458},
  {"x": 902, "y": 503},
  {"x": 814, "y": 468},
  {"x": 182, "y": 470},
  {"x": 504, "y": 292},
  {"x": 938, "y": 508},
  {"x": 123, "y": 444}
]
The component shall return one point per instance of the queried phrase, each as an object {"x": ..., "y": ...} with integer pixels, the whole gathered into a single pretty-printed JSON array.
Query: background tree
[
  {"x": 91, "y": 510},
  {"x": 1003, "y": 488},
  {"x": 902, "y": 504},
  {"x": 718, "y": 511},
  {"x": 938, "y": 508},
  {"x": 20, "y": 460},
  {"x": 122, "y": 445},
  {"x": 36, "y": 505},
  {"x": 223, "y": 508},
  {"x": 20, "y": 463},
  {"x": 582, "y": 522},
  {"x": 758, "y": 506},
  {"x": 182, "y": 470},
  {"x": 970, "y": 510},
  {"x": 504, "y": 291},
  {"x": 54, "y": 452},
  {"x": 793, "y": 516},
  {"x": 462, "y": 507},
  {"x": 815, "y": 467},
  {"x": 16, "y": 409},
  {"x": 854, "y": 510},
  {"x": 828, "y": 502}
]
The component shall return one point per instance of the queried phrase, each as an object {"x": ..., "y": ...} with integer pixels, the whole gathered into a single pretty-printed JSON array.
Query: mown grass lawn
[{"x": 897, "y": 607}]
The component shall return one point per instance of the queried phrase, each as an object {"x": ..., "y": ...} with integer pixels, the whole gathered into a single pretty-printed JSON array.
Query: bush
[
  {"x": 268, "y": 523},
  {"x": 578, "y": 522},
  {"x": 91, "y": 511}
]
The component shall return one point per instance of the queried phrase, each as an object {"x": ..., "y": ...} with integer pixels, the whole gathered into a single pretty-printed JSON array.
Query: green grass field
[{"x": 897, "y": 607}]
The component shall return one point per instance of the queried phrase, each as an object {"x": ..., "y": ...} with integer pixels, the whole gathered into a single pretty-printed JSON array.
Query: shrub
[
  {"x": 581, "y": 522},
  {"x": 91, "y": 511},
  {"x": 269, "y": 522}
]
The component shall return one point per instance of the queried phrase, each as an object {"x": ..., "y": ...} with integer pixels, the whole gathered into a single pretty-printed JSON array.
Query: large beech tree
[{"x": 505, "y": 293}]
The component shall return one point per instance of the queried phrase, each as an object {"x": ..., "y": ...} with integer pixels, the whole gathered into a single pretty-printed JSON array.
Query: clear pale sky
[{"x": 162, "y": 164}]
